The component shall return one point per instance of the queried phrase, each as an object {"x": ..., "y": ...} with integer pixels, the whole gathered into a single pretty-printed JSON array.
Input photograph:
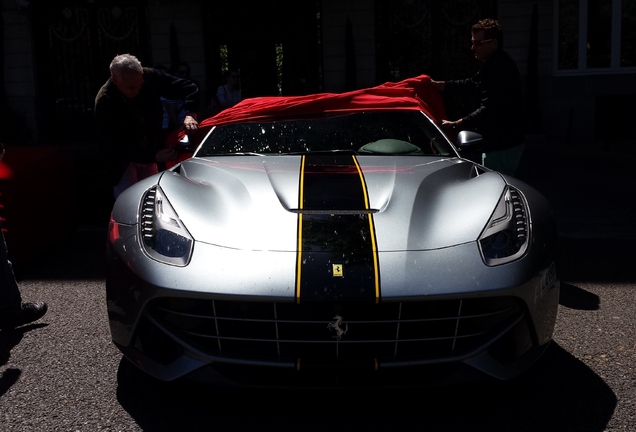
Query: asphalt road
[{"x": 62, "y": 373}]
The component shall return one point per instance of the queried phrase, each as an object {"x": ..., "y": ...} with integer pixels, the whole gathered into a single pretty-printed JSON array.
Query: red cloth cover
[{"x": 410, "y": 94}]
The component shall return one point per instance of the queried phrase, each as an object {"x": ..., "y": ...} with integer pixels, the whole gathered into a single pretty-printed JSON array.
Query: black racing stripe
[
  {"x": 332, "y": 182},
  {"x": 337, "y": 260}
]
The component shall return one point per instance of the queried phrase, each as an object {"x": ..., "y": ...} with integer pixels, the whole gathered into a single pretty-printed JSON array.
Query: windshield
[{"x": 373, "y": 132}]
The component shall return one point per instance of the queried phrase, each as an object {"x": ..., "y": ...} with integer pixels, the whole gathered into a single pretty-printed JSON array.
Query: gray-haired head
[
  {"x": 124, "y": 62},
  {"x": 127, "y": 75}
]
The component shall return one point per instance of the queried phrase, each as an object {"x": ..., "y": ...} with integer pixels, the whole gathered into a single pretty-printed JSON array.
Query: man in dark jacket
[
  {"x": 129, "y": 115},
  {"x": 499, "y": 117}
]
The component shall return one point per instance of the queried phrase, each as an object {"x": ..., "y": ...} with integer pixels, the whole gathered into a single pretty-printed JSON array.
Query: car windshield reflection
[{"x": 374, "y": 132}]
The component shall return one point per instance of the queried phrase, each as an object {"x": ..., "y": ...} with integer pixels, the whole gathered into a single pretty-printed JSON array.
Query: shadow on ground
[
  {"x": 596, "y": 260},
  {"x": 561, "y": 394},
  {"x": 81, "y": 256}
]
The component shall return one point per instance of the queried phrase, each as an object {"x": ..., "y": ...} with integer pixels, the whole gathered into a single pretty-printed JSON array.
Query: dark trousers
[{"x": 10, "y": 298}]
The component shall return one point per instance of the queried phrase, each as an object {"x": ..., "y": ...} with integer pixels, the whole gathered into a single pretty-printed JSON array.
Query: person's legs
[
  {"x": 13, "y": 312},
  {"x": 10, "y": 299}
]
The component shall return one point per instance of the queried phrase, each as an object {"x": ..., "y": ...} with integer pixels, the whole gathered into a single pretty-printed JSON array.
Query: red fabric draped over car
[{"x": 409, "y": 94}]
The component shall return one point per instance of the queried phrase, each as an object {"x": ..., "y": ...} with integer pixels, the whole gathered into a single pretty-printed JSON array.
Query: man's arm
[
  {"x": 465, "y": 86},
  {"x": 495, "y": 90},
  {"x": 175, "y": 88}
]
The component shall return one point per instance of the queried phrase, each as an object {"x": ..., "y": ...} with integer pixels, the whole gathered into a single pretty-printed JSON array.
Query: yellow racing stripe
[
  {"x": 299, "y": 253},
  {"x": 337, "y": 255},
  {"x": 372, "y": 230}
]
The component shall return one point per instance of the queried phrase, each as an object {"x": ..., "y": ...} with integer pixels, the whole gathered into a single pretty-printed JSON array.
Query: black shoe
[{"x": 28, "y": 313}]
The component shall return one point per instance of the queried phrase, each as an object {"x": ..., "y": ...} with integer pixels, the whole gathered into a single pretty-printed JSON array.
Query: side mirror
[{"x": 468, "y": 140}]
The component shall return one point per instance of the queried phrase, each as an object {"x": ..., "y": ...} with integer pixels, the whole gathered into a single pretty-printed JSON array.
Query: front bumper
[{"x": 178, "y": 323}]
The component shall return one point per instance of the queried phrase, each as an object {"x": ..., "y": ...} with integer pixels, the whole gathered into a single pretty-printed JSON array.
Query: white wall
[{"x": 563, "y": 98}]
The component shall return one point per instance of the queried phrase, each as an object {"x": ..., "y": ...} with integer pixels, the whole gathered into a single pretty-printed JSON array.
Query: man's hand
[
  {"x": 449, "y": 126},
  {"x": 190, "y": 122},
  {"x": 437, "y": 85},
  {"x": 1, "y": 154},
  {"x": 167, "y": 154}
]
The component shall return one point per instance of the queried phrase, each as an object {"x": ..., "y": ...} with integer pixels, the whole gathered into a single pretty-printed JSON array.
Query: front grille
[{"x": 328, "y": 333}]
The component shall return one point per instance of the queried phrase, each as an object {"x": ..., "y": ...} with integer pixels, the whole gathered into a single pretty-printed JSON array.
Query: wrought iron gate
[{"x": 75, "y": 42}]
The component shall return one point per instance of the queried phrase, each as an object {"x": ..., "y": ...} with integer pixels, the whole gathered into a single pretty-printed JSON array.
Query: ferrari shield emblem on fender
[{"x": 338, "y": 270}]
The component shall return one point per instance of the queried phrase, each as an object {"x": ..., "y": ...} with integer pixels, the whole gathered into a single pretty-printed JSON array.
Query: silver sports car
[{"x": 332, "y": 240}]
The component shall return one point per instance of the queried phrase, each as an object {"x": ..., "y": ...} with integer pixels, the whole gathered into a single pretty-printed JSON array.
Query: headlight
[
  {"x": 162, "y": 233},
  {"x": 506, "y": 236}
]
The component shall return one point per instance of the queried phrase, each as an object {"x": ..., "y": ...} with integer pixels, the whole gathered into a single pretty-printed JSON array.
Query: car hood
[{"x": 257, "y": 203}]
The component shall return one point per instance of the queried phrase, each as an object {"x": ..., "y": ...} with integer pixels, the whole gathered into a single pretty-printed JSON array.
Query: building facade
[{"x": 577, "y": 57}]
